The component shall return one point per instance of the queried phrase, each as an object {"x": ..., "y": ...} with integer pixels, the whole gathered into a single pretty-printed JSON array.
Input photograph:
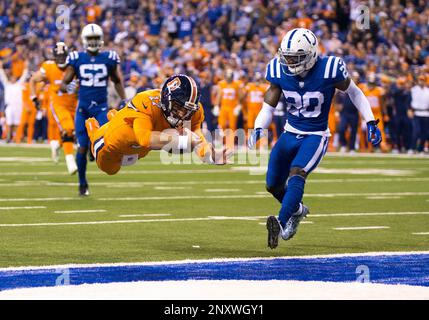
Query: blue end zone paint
[{"x": 411, "y": 269}]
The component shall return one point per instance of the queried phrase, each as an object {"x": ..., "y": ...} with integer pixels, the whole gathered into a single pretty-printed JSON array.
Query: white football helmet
[
  {"x": 92, "y": 37},
  {"x": 298, "y": 51}
]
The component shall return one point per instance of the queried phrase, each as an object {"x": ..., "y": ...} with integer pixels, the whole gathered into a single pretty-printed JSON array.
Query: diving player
[
  {"x": 142, "y": 126},
  {"x": 308, "y": 83},
  {"x": 93, "y": 68}
]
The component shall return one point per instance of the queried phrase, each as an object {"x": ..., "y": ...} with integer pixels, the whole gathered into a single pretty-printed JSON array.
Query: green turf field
[{"x": 155, "y": 212}]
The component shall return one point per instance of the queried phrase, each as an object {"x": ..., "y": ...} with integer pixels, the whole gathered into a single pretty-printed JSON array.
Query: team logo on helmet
[{"x": 174, "y": 84}]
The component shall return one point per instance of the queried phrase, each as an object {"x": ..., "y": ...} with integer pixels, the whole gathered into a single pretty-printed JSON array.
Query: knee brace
[{"x": 67, "y": 136}]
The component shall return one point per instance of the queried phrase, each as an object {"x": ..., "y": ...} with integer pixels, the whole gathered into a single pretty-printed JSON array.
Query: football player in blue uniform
[
  {"x": 308, "y": 83},
  {"x": 93, "y": 68}
]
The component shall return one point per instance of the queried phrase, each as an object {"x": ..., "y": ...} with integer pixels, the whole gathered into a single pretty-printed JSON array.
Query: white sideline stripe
[
  {"x": 421, "y": 233},
  {"x": 145, "y": 215},
  {"x": 222, "y": 190},
  {"x": 217, "y": 260},
  {"x": 362, "y": 228},
  {"x": 245, "y": 196},
  {"x": 209, "y": 218},
  {"x": 80, "y": 211},
  {"x": 23, "y": 208}
]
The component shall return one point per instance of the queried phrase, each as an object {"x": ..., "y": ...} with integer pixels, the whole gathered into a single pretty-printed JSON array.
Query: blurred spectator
[
  {"x": 401, "y": 124},
  {"x": 420, "y": 113},
  {"x": 212, "y": 36}
]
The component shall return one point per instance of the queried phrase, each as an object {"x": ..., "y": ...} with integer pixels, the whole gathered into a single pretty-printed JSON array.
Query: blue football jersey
[
  {"x": 93, "y": 75},
  {"x": 308, "y": 99}
]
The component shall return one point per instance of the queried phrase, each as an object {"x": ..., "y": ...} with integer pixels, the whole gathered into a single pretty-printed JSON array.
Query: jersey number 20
[
  {"x": 93, "y": 75},
  {"x": 309, "y": 105}
]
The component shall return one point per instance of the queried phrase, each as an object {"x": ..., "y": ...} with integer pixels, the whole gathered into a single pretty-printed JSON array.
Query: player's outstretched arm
[
  {"x": 362, "y": 104},
  {"x": 265, "y": 116},
  {"x": 37, "y": 77},
  {"x": 68, "y": 77}
]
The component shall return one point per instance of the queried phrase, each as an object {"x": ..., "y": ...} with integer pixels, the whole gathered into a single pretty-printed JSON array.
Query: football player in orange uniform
[
  {"x": 228, "y": 95},
  {"x": 63, "y": 105},
  {"x": 135, "y": 130},
  {"x": 375, "y": 95},
  {"x": 254, "y": 97},
  {"x": 28, "y": 116}
]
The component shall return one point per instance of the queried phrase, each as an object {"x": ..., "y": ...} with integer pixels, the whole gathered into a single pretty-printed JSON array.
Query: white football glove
[{"x": 215, "y": 111}]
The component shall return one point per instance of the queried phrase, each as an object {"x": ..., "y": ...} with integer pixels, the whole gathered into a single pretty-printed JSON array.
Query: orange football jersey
[
  {"x": 373, "y": 95},
  {"x": 255, "y": 95},
  {"x": 229, "y": 93},
  {"x": 55, "y": 76}
]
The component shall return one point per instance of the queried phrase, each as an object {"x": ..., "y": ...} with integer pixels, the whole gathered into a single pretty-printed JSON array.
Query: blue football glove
[
  {"x": 374, "y": 134},
  {"x": 257, "y": 134}
]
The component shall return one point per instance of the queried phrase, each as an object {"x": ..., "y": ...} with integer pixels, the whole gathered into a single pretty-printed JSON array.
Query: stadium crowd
[{"x": 387, "y": 53}]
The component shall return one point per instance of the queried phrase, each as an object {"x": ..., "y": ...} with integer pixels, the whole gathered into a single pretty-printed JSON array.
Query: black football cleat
[
  {"x": 274, "y": 230},
  {"x": 91, "y": 157},
  {"x": 83, "y": 190}
]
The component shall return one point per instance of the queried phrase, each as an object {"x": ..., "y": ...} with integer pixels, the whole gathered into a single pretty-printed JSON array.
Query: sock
[
  {"x": 292, "y": 198},
  {"x": 81, "y": 167}
]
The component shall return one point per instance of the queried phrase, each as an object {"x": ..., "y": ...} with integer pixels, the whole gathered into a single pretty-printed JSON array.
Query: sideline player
[
  {"x": 308, "y": 83},
  {"x": 62, "y": 105},
  {"x": 142, "y": 125},
  {"x": 93, "y": 68}
]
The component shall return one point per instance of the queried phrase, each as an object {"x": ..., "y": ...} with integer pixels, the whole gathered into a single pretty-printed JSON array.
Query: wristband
[{"x": 182, "y": 143}]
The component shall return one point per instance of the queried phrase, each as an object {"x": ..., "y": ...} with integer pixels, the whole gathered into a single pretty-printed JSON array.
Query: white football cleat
[
  {"x": 71, "y": 164},
  {"x": 55, "y": 150},
  {"x": 293, "y": 222}
]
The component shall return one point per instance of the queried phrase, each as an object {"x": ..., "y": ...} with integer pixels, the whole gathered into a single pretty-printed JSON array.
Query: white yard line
[
  {"x": 145, "y": 215},
  {"x": 382, "y": 198},
  {"x": 222, "y": 190},
  {"x": 80, "y": 211},
  {"x": 209, "y": 218},
  {"x": 22, "y": 208},
  {"x": 123, "y": 172},
  {"x": 171, "y": 188},
  {"x": 237, "y": 196},
  {"x": 421, "y": 233},
  {"x": 195, "y": 182},
  {"x": 362, "y": 228}
]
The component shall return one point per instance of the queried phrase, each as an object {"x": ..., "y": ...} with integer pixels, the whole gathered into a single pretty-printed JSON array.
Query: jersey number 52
[
  {"x": 93, "y": 75},
  {"x": 309, "y": 105}
]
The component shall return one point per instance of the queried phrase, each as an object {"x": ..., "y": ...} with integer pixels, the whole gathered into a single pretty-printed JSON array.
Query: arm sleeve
[
  {"x": 265, "y": 116},
  {"x": 143, "y": 129},
  {"x": 360, "y": 101}
]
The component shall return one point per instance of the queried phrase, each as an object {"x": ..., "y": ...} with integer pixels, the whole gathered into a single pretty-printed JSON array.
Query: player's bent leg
[{"x": 278, "y": 167}]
